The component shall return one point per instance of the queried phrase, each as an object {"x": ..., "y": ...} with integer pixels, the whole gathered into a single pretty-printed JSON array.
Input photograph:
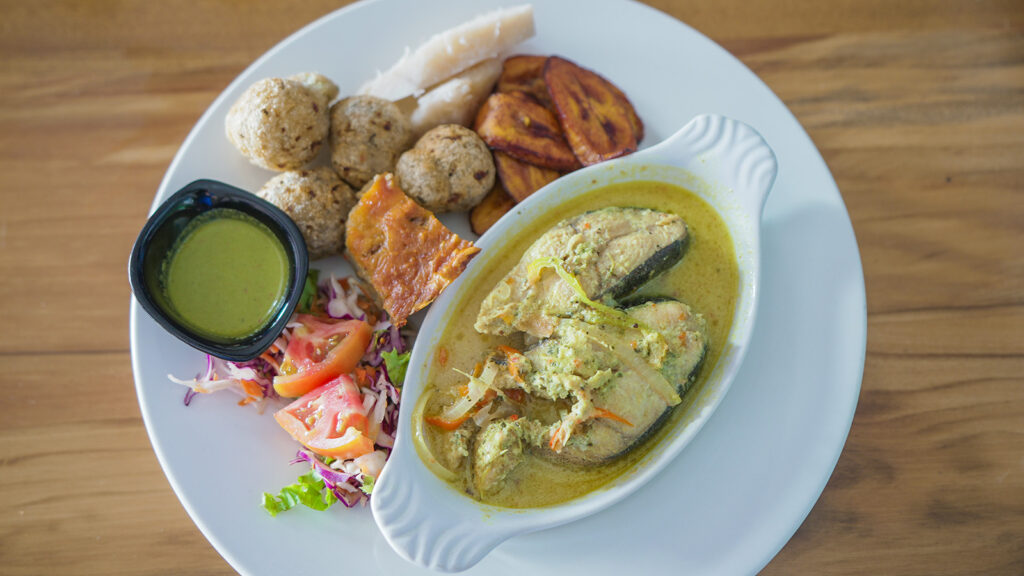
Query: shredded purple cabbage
[
  {"x": 346, "y": 487},
  {"x": 334, "y": 479}
]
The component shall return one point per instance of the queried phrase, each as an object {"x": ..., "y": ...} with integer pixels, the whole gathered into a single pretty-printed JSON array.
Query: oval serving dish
[{"x": 426, "y": 520}]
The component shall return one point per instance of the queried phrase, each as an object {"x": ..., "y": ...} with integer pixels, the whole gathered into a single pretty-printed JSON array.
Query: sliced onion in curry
[
  {"x": 477, "y": 389},
  {"x": 648, "y": 374},
  {"x": 607, "y": 314},
  {"x": 420, "y": 442}
]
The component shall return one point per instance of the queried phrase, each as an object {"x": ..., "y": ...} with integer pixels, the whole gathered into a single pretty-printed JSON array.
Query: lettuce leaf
[
  {"x": 396, "y": 364},
  {"x": 367, "y": 484},
  {"x": 309, "y": 291},
  {"x": 309, "y": 491}
]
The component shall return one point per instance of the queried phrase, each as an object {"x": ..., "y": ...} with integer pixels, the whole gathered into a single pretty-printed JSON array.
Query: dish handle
[
  {"x": 723, "y": 151},
  {"x": 429, "y": 524}
]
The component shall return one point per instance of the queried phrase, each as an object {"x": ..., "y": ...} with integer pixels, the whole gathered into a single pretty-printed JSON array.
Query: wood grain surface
[{"x": 917, "y": 107}]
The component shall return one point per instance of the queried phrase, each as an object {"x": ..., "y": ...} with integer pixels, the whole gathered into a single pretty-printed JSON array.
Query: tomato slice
[
  {"x": 319, "y": 351},
  {"x": 329, "y": 420}
]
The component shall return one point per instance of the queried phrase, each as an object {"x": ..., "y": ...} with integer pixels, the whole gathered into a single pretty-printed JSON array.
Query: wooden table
[{"x": 918, "y": 108}]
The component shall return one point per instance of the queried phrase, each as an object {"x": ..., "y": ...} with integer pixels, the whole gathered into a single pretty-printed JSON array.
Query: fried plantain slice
[
  {"x": 517, "y": 125},
  {"x": 524, "y": 73},
  {"x": 490, "y": 209},
  {"x": 598, "y": 120},
  {"x": 634, "y": 119},
  {"x": 402, "y": 249},
  {"x": 521, "y": 179}
]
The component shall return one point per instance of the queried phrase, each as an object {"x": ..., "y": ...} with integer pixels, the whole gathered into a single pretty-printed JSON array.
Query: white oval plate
[{"x": 733, "y": 497}]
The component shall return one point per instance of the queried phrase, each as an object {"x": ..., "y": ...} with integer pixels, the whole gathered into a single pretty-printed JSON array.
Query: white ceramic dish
[
  {"x": 723, "y": 161},
  {"x": 729, "y": 501}
]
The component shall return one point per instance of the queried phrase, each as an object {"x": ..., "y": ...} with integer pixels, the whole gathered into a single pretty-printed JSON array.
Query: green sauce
[{"x": 226, "y": 275}]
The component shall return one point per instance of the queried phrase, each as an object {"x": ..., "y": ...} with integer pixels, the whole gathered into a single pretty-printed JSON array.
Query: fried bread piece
[{"x": 401, "y": 249}]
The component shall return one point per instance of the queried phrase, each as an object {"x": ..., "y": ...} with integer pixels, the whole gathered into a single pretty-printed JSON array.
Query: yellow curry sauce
[{"x": 707, "y": 279}]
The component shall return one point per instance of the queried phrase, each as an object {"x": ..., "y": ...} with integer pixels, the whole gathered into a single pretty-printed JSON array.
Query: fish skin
[{"x": 612, "y": 252}]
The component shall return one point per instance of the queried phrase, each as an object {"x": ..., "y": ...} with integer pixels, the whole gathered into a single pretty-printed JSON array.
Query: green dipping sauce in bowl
[
  {"x": 226, "y": 275},
  {"x": 219, "y": 268}
]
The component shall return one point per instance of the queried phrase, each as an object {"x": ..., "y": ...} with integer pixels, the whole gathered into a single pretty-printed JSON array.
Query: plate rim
[{"x": 857, "y": 281}]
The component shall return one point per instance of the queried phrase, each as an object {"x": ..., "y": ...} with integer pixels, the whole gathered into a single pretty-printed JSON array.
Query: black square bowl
[{"x": 158, "y": 236}]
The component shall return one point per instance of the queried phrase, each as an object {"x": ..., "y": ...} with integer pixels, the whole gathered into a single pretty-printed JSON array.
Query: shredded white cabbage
[
  {"x": 371, "y": 464},
  {"x": 344, "y": 302}
]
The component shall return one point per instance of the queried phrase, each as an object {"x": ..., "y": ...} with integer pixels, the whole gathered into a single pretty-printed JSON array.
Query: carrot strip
[
  {"x": 602, "y": 413},
  {"x": 557, "y": 439},
  {"x": 508, "y": 350},
  {"x": 513, "y": 369},
  {"x": 270, "y": 359},
  {"x": 252, "y": 389},
  {"x": 449, "y": 425}
]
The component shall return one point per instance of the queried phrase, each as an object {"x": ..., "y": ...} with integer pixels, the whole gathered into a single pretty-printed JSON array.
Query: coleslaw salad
[{"x": 371, "y": 410}]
